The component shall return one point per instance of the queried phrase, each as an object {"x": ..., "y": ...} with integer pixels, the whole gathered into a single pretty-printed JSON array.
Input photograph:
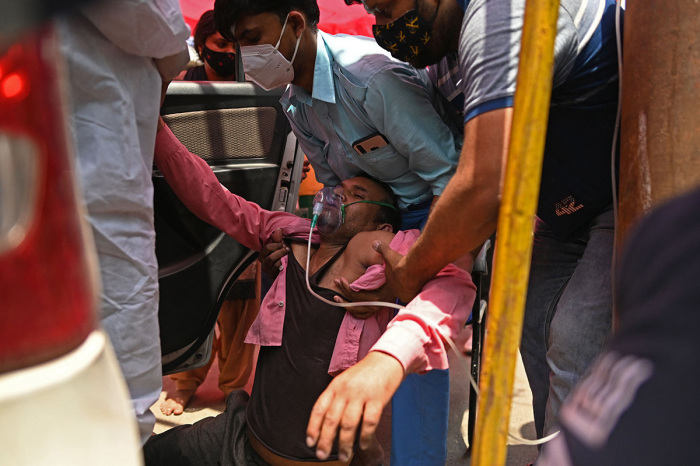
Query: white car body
[{"x": 74, "y": 410}]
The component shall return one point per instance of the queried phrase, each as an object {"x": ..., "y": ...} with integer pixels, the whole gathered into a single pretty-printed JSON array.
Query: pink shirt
[{"x": 445, "y": 301}]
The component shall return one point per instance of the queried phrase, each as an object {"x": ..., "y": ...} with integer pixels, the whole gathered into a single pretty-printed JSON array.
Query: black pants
[{"x": 220, "y": 440}]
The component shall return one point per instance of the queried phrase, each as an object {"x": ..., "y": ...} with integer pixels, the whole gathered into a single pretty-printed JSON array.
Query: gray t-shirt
[
  {"x": 489, "y": 47},
  {"x": 576, "y": 178}
]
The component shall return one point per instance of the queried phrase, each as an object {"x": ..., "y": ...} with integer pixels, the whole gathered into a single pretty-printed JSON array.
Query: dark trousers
[{"x": 220, "y": 440}]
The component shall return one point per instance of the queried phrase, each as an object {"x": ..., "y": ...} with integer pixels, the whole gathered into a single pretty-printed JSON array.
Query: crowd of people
[{"x": 413, "y": 159}]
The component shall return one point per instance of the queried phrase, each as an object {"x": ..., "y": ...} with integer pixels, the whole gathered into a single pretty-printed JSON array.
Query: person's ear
[
  {"x": 297, "y": 21},
  {"x": 386, "y": 227}
]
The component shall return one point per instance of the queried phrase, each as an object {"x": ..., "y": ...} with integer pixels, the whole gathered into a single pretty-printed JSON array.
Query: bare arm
[
  {"x": 354, "y": 398},
  {"x": 466, "y": 213},
  {"x": 361, "y": 253}
]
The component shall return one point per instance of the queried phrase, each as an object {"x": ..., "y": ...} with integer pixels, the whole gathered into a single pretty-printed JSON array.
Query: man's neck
[
  {"x": 324, "y": 253},
  {"x": 328, "y": 247},
  {"x": 304, "y": 71}
]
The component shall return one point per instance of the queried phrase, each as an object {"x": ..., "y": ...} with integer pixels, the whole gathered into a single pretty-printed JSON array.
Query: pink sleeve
[
  {"x": 198, "y": 188},
  {"x": 446, "y": 302}
]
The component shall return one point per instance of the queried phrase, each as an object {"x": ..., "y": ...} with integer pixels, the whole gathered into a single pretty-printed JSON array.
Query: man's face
[
  {"x": 265, "y": 28},
  {"x": 388, "y": 11},
  {"x": 360, "y": 217}
]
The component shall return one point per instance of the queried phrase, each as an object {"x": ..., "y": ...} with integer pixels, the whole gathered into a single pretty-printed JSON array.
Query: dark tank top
[{"x": 290, "y": 378}]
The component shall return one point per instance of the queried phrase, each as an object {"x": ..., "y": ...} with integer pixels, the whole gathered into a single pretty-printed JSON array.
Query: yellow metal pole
[{"x": 515, "y": 223}]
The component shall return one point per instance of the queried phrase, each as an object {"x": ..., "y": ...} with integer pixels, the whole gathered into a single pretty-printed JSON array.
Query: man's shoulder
[
  {"x": 359, "y": 59},
  {"x": 360, "y": 246},
  {"x": 476, "y": 8},
  {"x": 366, "y": 238},
  {"x": 347, "y": 50}
]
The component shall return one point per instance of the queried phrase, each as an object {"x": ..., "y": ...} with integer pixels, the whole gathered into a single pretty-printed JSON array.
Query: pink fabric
[
  {"x": 446, "y": 300},
  {"x": 197, "y": 186},
  {"x": 374, "y": 276}
]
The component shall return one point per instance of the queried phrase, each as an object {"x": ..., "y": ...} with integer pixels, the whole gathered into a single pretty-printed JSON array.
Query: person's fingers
[
  {"x": 361, "y": 312},
  {"x": 370, "y": 420},
  {"x": 399, "y": 280},
  {"x": 348, "y": 294},
  {"x": 276, "y": 236},
  {"x": 272, "y": 253},
  {"x": 390, "y": 256},
  {"x": 352, "y": 415},
  {"x": 364, "y": 312},
  {"x": 274, "y": 258},
  {"x": 345, "y": 289},
  {"x": 269, "y": 248},
  {"x": 318, "y": 414},
  {"x": 356, "y": 296},
  {"x": 329, "y": 427}
]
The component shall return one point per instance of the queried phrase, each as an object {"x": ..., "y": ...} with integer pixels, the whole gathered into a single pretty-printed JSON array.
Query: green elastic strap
[{"x": 384, "y": 204}]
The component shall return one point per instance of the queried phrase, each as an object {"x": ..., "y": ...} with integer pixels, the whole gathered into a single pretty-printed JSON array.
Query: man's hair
[
  {"x": 204, "y": 28},
  {"x": 350, "y": 2},
  {"x": 227, "y": 12},
  {"x": 386, "y": 214}
]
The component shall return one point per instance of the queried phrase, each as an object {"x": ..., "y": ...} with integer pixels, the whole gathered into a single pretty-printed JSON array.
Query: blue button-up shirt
[{"x": 358, "y": 91}]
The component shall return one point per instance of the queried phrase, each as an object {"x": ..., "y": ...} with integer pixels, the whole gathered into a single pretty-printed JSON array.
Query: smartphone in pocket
[{"x": 370, "y": 143}]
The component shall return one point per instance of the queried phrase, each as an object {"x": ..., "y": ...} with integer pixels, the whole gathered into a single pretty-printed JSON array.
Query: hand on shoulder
[{"x": 361, "y": 244}]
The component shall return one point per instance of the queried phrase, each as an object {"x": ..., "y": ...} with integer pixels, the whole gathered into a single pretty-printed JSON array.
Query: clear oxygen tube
[{"x": 324, "y": 209}]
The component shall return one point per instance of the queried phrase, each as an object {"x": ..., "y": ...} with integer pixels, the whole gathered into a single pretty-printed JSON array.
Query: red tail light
[{"x": 47, "y": 297}]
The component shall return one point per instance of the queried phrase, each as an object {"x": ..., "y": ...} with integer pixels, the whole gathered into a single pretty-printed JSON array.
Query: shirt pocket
[{"x": 384, "y": 164}]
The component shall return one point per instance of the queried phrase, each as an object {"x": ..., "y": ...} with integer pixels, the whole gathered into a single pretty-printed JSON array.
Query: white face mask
[{"x": 266, "y": 66}]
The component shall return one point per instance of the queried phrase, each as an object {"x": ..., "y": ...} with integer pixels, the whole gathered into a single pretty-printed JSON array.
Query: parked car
[{"x": 63, "y": 399}]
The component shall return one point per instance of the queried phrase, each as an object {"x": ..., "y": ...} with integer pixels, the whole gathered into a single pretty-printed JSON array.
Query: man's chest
[{"x": 342, "y": 267}]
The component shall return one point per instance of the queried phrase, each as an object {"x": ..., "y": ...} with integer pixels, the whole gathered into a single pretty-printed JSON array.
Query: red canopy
[{"x": 336, "y": 16}]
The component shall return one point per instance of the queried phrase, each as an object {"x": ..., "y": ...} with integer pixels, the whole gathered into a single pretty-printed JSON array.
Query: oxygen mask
[{"x": 329, "y": 210}]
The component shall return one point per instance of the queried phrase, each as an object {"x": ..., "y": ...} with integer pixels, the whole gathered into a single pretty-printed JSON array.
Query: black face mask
[
  {"x": 407, "y": 37},
  {"x": 223, "y": 63}
]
